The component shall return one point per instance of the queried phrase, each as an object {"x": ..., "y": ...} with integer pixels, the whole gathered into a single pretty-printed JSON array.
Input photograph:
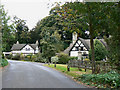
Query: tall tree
[
  {"x": 112, "y": 26},
  {"x": 89, "y": 18},
  {"x": 7, "y": 31},
  {"x": 100, "y": 51},
  {"x": 50, "y": 44},
  {"x": 22, "y": 30}
]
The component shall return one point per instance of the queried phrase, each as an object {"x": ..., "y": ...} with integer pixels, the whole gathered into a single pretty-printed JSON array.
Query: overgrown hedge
[
  {"x": 63, "y": 58},
  {"x": 108, "y": 80},
  {"x": 4, "y": 62},
  {"x": 100, "y": 51}
]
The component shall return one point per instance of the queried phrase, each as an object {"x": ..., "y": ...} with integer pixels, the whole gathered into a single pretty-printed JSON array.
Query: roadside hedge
[
  {"x": 4, "y": 62},
  {"x": 63, "y": 58},
  {"x": 107, "y": 80}
]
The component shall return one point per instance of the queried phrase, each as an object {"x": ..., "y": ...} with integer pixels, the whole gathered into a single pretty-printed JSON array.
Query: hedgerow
[
  {"x": 4, "y": 62},
  {"x": 107, "y": 80}
]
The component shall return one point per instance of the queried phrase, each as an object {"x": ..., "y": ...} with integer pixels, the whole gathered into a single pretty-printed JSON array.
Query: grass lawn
[{"x": 74, "y": 72}]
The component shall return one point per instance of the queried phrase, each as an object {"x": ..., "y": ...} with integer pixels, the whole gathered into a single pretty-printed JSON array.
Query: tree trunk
[
  {"x": 0, "y": 40},
  {"x": 91, "y": 39},
  {"x": 92, "y": 49},
  {"x": 118, "y": 45}
]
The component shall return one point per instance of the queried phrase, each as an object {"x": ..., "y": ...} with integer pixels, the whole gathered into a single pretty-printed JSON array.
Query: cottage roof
[
  {"x": 86, "y": 42},
  {"x": 20, "y": 46}
]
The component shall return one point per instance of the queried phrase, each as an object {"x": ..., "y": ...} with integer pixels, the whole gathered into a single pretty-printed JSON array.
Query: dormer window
[{"x": 27, "y": 49}]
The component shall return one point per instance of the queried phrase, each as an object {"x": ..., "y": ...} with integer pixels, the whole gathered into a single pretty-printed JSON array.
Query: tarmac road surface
[{"x": 20, "y": 74}]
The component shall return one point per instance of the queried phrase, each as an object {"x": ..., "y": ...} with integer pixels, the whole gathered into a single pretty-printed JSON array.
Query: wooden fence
[{"x": 101, "y": 66}]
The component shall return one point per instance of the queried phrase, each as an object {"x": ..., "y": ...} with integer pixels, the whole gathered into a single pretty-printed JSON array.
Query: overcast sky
[{"x": 30, "y": 10}]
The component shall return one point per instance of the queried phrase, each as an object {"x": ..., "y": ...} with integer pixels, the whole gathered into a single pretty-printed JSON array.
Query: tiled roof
[{"x": 20, "y": 46}]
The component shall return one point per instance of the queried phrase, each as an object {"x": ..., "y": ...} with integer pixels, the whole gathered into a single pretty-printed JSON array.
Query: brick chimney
[
  {"x": 17, "y": 42},
  {"x": 74, "y": 37},
  {"x": 37, "y": 42}
]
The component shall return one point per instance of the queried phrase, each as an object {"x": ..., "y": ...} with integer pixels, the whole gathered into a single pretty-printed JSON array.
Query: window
[
  {"x": 27, "y": 49},
  {"x": 77, "y": 48}
]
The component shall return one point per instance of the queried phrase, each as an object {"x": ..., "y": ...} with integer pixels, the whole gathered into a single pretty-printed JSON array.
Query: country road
[{"x": 20, "y": 74}]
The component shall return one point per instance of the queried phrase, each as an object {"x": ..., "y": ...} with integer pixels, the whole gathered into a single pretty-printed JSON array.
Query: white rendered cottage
[
  {"x": 79, "y": 44},
  {"x": 25, "y": 49}
]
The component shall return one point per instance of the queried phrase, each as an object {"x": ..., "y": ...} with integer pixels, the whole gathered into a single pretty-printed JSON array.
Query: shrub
[
  {"x": 34, "y": 57},
  {"x": 111, "y": 79},
  {"x": 9, "y": 56},
  {"x": 54, "y": 59},
  {"x": 72, "y": 58},
  {"x": 63, "y": 58},
  {"x": 21, "y": 56},
  {"x": 16, "y": 57},
  {"x": 4, "y": 62},
  {"x": 25, "y": 58},
  {"x": 100, "y": 51},
  {"x": 38, "y": 58},
  {"x": 86, "y": 59},
  {"x": 28, "y": 57},
  {"x": 43, "y": 60},
  {"x": 3, "y": 56}
]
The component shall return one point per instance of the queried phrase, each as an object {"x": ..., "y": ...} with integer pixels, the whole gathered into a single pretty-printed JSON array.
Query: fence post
[
  {"x": 55, "y": 64},
  {"x": 79, "y": 65},
  {"x": 85, "y": 66},
  {"x": 68, "y": 68}
]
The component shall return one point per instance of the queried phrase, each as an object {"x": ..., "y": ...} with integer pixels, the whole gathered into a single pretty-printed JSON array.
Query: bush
[
  {"x": 22, "y": 56},
  {"x": 9, "y": 56},
  {"x": 38, "y": 58},
  {"x": 111, "y": 79},
  {"x": 28, "y": 57},
  {"x": 63, "y": 58},
  {"x": 33, "y": 58},
  {"x": 43, "y": 60},
  {"x": 100, "y": 51},
  {"x": 54, "y": 59},
  {"x": 3, "y": 56},
  {"x": 16, "y": 57},
  {"x": 86, "y": 59},
  {"x": 4, "y": 62},
  {"x": 72, "y": 58}
]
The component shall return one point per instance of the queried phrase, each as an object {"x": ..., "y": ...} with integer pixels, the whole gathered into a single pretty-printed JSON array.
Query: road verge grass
[
  {"x": 103, "y": 80},
  {"x": 74, "y": 72}
]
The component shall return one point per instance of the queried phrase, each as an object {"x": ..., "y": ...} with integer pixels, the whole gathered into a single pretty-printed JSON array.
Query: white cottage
[
  {"x": 79, "y": 44},
  {"x": 25, "y": 49}
]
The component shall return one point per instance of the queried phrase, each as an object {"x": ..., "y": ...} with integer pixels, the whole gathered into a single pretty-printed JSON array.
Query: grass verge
[
  {"x": 104, "y": 80},
  {"x": 74, "y": 72}
]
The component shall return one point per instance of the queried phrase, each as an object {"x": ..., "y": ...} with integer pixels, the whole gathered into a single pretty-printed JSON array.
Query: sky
[{"x": 30, "y": 10}]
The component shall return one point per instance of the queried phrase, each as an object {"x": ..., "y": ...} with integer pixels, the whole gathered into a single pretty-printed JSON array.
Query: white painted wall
[
  {"x": 28, "y": 47},
  {"x": 75, "y": 53},
  {"x": 31, "y": 51},
  {"x": 37, "y": 50}
]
